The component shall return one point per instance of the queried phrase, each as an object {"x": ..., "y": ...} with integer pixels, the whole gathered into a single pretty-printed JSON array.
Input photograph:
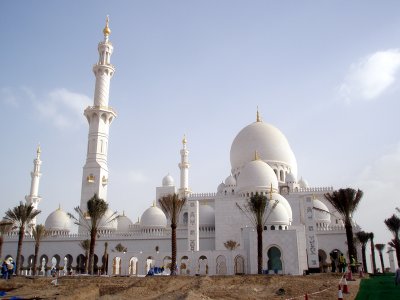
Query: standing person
[
  {"x": 397, "y": 278},
  {"x": 10, "y": 268},
  {"x": 342, "y": 263},
  {"x": 353, "y": 264},
  {"x": 4, "y": 270}
]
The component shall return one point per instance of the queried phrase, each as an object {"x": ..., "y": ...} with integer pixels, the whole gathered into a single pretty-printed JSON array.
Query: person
[
  {"x": 353, "y": 264},
  {"x": 4, "y": 270},
  {"x": 10, "y": 268},
  {"x": 397, "y": 278},
  {"x": 342, "y": 263}
]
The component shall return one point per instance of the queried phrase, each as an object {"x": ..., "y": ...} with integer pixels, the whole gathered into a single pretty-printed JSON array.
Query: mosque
[{"x": 214, "y": 236}]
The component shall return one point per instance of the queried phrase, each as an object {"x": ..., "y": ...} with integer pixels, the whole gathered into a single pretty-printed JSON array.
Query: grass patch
[{"x": 379, "y": 287}]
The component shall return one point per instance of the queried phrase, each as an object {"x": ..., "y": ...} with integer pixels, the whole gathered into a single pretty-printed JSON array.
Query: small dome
[
  {"x": 257, "y": 176},
  {"x": 321, "y": 212},
  {"x": 282, "y": 200},
  {"x": 206, "y": 215},
  {"x": 168, "y": 181},
  {"x": 58, "y": 220},
  {"x": 124, "y": 223},
  {"x": 290, "y": 178},
  {"x": 303, "y": 183},
  {"x": 153, "y": 217},
  {"x": 221, "y": 187},
  {"x": 230, "y": 181},
  {"x": 278, "y": 215},
  {"x": 105, "y": 223}
]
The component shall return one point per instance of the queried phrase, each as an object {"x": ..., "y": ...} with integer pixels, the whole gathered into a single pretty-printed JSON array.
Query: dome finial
[
  {"x": 258, "y": 116},
  {"x": 256, "y": 156},
  {"x": 154, "y": 203},
  {"x": 270, "y": 193},
  {"x": 107, "y": 30},
  {"x": 184, "y": 141}
]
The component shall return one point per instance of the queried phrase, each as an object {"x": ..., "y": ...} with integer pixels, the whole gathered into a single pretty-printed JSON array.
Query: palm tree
[
  {"x": 38, "y": 232},
  {"x": 371, "y": 237},
  {"x": 393, "y": 224},
  {"x": 231, "y": 245},
  {"x": 363, "y": 238},
  {"x": 255, "y": 210},
  {"x": 96, "y": 209},
  {"x": 21, "y": 216},
  {"x": 346, "y": 201},
  {"x": 120, "y": 248},
  {"x": 172, "y": 206},
  {"x": 380, "y": 248},
  {"x": 5, "y": 228},
  {"x": 85, "y": 245}
]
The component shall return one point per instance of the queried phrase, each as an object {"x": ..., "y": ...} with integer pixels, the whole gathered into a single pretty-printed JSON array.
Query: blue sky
[{"x": 326, "y": 73}]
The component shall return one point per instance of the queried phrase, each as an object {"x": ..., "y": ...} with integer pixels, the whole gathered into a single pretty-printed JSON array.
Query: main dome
[
  {"x": 58, "y": 220},
  {"x": 270, "y": 143}
]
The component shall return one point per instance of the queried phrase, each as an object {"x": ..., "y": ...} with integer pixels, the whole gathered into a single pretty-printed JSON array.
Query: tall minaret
[
  {"x": 33, "y": 198},
  {"x": 99, "y": 116},
  {"x": 184, "y": 166}
]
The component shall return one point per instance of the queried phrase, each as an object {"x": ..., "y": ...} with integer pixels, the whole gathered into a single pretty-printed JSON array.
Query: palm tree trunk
[
  {"x": 173, "y": 248},
  {"x": 382, "y": 264},
  {"x": 91, "y": 250},
  {"x": 397, "y": 247},
  {"x": 350, "y": 238},
  {"x": 373, "y": 256},
  {"x": 259, "y": 249},
  {"x": 86, "y": 262},
  {"x": 35, "y": 258},
  {"x": 1, "y": 245},
  {"x": 364, "y": 258},
  {"x": 21, "y": 234}
]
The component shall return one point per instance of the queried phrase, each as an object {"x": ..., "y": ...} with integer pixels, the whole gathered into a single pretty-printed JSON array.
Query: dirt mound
[{"x": 176, "y": 287}]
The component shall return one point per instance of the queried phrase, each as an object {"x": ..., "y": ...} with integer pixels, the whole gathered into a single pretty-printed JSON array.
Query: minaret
[
  {"x": 184, "y": 166},
  {"x": 33, "y": 198},
  {"x": 99, "y": 116}
]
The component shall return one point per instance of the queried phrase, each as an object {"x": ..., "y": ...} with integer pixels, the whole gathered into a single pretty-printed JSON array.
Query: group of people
[
  {"x": 341, "y": 263},
  {"x": 7, "y": 268}
]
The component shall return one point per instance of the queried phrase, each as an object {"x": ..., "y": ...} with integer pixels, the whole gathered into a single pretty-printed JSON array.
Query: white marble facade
[{"x": 262, "y": 161}]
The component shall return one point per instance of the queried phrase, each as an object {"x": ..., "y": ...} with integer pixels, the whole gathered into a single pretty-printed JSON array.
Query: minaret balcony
[{"x": 106, "y": 109}]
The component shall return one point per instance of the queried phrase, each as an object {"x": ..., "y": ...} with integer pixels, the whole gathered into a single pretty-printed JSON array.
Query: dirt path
[{"x": 179, "y": 287}]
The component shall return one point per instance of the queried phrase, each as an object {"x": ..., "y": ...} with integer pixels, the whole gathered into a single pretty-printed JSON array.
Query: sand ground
[{"x": 325, "y": 286}]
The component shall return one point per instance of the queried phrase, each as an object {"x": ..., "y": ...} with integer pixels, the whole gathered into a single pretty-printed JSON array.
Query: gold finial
[
  {"x": 38, "y": 150},
  {"x": 270, "y": 193},
  {"x": 59, "y": 206},
  {"x": 256, "y": 156},
  {"x": 154, "y": 203},
  {"x": 107, "y": 30},
  {"x": 258, "y": 116},
  {"x": 184, "y": 141}
]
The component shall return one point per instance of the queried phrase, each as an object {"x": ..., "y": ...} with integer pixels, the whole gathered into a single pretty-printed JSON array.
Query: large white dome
[
  {"x": 278, "y": 215},
  {"x": 321, "y": 212},
  {"x": 124, "y": 223},
  {"x": 270, "y": 143},
  {"x": 153, "y": 217},
  {"x": 282, "y": 200},
  {"x": 106, "y": 223},
  {"x": 206, "y": 215},
  {"x": 58, "y": 220},
  {"x": 257, "y": 176}
]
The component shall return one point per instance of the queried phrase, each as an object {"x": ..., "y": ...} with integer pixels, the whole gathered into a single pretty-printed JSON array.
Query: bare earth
[{"x": 178, "y": 287}]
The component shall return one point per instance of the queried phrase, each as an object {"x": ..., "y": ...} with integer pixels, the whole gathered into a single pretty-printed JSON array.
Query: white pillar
[
  {"x": 33, "y": 198},
  {"x": 184, "y": 167},
  {"x": 193, "y": 225},
  {"x": 100, "y": 117},
  {"x": 391, "y": 260}
]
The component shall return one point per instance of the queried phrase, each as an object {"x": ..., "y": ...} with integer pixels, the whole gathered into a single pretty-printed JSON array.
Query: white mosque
[{"x": 300, "y": 233}]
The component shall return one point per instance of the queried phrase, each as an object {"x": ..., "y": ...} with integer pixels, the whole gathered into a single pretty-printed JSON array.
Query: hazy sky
[{"x": 326, "y": 73}]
